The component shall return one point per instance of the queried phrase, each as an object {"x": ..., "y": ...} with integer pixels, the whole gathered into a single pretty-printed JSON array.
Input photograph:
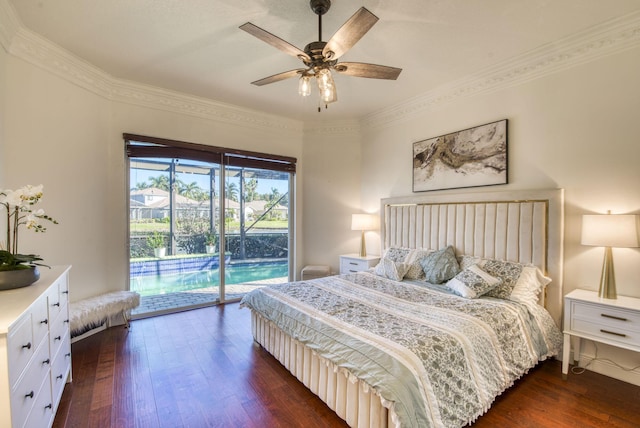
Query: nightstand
[
  {"x": 615, "y": 322},
  {"x": 350, "y": 263}
]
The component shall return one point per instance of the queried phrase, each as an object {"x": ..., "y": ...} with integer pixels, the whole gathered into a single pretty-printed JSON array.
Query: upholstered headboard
[{"x": 524, "y": 226}]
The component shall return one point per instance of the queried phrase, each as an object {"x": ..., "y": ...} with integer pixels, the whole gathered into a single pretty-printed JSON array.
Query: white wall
[
  {"x": 331, "y": 194},
  {"x": 577, "y": 129}
]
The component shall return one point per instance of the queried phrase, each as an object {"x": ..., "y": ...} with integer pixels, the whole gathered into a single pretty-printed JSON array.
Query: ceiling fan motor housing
[{"x": 320, "y": 7}]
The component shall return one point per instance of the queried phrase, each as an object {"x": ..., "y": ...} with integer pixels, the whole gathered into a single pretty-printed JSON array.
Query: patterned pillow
[
  {"x": 472, "y": 282},
  {"x": 415, "y": 268},
  {"x": 520, "y": 282},
  {"x": 440, "y": 266},
  {"x": 397, "y": 254},
  {"x": 390, "y": 269}
]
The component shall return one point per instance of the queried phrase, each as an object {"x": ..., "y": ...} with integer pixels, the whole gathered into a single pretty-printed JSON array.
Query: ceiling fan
[{"x": 321, "y": 57}]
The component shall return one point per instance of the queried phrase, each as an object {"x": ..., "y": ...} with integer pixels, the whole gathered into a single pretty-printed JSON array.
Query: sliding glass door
[{"x": 202, "y": 233}]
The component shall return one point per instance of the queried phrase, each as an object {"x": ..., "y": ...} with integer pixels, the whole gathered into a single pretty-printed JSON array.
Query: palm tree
[
  {"x": 231, "y": 190},
  {"x": 250, "y": 193},
  {"x": 160, "y": 182}
]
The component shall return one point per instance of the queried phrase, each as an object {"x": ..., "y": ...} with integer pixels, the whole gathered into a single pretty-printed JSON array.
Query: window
[{"x": 191, "y": 203}]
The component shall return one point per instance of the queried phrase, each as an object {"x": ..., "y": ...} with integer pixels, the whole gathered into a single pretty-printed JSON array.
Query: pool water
[{"x": 234, "y": 274}]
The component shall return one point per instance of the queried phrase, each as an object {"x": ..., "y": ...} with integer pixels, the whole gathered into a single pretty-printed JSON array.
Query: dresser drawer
[
  {"x": 607, "y": 316},
  {"x": 60, "y": 369},
  {"x": 59, "y": 330},
  {"x": 40, "y": 319},
  {"x": 21, "y": 347},
  {"x": 41, "y": 414},
  {"x": 606, "y": 333},
  {"x": 25, "y": 392}
]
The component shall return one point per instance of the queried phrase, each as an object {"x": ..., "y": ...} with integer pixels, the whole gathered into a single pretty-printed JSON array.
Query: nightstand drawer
[
  {"x": 353, "y": 265},
  {"x": 606, "y": 316},
  {"x": 606, "y": 332}
]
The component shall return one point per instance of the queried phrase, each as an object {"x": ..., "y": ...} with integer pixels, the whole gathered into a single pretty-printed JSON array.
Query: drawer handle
[
  {"x": 352, "y": 263},
  {"x": 44, "y": 321},
  {"x": 28, "y": 346},
  {"x": 59, "y": 377},
  {"x": 68, "y": 354},
  {"x": 56, "y": 304},
  {"x": 57, "y": 338},
  {"x": 351, "y": 270},
  {"x": 65, "y": 292},
  {"x": 613, "y": 332},
  {"x": 29, "y": 395},
  {"x": 47, "y": 361},
  {"x": 613, "y": 317},
  {"x": 65, "y": 321},
  {"x": 48, "y": 406}
]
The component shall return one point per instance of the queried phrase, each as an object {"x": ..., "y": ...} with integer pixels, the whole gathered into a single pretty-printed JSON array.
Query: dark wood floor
[{"x": 201, "y": 369}]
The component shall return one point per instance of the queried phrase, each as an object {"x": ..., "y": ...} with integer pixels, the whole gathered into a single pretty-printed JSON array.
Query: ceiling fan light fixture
[
  {"x": 304, "y": 85},
  {"x": 326, "y": 86}
]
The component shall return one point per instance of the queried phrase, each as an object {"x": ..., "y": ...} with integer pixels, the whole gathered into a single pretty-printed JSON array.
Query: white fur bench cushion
[{"x": 91, "y": 313}]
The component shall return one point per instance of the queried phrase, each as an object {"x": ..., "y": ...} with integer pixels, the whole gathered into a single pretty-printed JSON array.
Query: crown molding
[
  {"x": 9, "y": 24},
  {"x": 35, "y": 49},
  {"x": 596, "y": 42}
]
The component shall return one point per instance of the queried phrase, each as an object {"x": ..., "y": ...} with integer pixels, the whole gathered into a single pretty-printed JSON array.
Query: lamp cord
[{"x": 579, "y": 370}]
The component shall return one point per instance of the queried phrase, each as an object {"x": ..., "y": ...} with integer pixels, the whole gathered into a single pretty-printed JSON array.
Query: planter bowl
[{"x": 11, "y": 279}]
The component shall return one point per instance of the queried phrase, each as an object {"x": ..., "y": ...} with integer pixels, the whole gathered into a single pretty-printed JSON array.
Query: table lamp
[
  {"x": 363, "y": 222},
  {"x": 620, "y": 231}
]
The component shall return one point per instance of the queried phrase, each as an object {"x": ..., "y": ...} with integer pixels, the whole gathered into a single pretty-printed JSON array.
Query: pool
[{"x": 237, "y": 273}]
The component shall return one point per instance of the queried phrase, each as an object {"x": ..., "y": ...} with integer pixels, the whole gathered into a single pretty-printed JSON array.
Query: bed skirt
[{"x": 352, "y": 399}]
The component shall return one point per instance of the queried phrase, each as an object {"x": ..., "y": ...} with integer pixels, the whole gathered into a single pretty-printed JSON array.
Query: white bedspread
[{"x": 437, "y": 359}]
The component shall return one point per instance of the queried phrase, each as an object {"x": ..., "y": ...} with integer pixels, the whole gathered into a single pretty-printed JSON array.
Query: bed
[{"x": 386, "y": 351}]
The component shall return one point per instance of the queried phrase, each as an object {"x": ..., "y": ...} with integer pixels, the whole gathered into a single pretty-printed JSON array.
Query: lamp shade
[
  {"x": 364, "y": 222},
  {"x": 610, "y": 230}
]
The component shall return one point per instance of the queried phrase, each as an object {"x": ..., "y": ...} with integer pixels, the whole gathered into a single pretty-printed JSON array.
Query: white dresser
[
  {"x": 615, "y": 322},
  {"x": 355, "y": 263},
  {"x": 35, "y": 349}
]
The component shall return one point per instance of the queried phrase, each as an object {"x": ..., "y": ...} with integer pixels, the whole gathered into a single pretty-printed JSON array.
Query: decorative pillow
[
  {"x": 415, "y": 268},
  {"x": 472, "y": 282},
  {"x": 397, "y": 254},
  {"x": 520, "y": 282},
  {"x": 440, "y": 266},
  {"x": 390, "y": 269}
]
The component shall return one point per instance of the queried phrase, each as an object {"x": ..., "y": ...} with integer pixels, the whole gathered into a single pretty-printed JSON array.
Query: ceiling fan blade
[
  {"x": 349, "y": 34},
  {"x": 274, "y": 40},
  {"x": 278, "y": 77},
  {"x": 372, "y": 71}
]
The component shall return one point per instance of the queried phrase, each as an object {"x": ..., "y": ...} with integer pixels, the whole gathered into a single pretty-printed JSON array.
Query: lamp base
[
  {"x": 607, "y": 279},
  {"x": 363, "y": 246}
]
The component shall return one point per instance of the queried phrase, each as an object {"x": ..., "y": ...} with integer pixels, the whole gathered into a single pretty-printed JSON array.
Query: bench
[{"x": 93, "y": 312}]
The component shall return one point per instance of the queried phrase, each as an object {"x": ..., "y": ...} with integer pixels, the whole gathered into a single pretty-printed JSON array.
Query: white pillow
[
  {"x": 472, "y": 282},
  {"x": 391, "y": 269}
]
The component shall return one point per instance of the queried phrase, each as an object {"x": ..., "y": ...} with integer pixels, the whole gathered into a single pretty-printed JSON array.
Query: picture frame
[{"x": 471, "y": 157}]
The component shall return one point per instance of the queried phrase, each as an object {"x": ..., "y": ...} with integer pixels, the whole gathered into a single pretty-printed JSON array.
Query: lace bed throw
[{"x": 439, "y": 359}]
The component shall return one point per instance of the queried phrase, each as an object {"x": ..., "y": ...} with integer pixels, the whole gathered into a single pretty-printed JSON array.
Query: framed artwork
[{"x": 469, "y": 158}]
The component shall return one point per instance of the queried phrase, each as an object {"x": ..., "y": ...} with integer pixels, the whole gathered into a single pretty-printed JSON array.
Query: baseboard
[{"x": 608, "y": 368}]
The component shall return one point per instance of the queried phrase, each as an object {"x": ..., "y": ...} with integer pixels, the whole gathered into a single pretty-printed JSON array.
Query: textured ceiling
[{"x": 195, "y": 46}]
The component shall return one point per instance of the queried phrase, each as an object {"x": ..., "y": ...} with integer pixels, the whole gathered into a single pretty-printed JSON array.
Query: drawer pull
[
  {"x": 48, "y": 406},
  {"x": 68, "y": 354},
  {"x": 57, "y": 338},
  {"x": 29, "y": 395},
  {"x": 65, "y": 321},
  {"x": 65, "y": 292},
  {"x": 56, "y": 304},
  {"x": 44, "y": 321},
  {"x": 613, "y": 317},
  {"x": 59, "y": 376},
  {"x": 351, "y": 270},
  {"x": 47, "y": 361},
  {"x": 352, "y": 263},
  {"x": 28, "y": 346},
  {"x": 613, "y": 332}
]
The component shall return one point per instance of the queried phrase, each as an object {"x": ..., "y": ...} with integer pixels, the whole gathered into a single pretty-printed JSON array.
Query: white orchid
[{"x": 19, "y": 204}]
